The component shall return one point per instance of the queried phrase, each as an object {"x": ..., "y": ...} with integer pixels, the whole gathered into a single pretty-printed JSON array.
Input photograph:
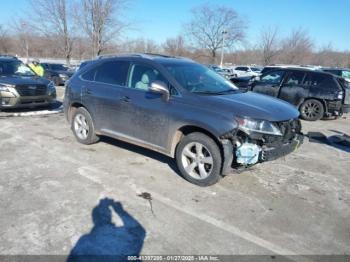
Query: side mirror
[{"x": 159, "y": 87}]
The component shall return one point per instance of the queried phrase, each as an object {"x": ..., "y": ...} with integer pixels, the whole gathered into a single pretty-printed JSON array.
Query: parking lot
[{"x": 51, "y": 187}]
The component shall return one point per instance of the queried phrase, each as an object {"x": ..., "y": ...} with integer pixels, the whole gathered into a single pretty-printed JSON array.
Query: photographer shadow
[{"x": 106, "y": 241}]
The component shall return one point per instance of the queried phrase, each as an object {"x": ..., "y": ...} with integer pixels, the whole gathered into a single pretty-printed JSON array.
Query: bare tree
[
  {"x": 52, "y": 18},
  {"x": 208, "y": 25},
  {"x": 269, "y": 44},
  {"x": 175, "y": 46},
  {"x": 297, "y": 48},
  {"x": 4, "y": 40},
  {"x": 98, "y": 21},
  {"x": 23, "y": 35},
  {"x": 140, "y": 45}
]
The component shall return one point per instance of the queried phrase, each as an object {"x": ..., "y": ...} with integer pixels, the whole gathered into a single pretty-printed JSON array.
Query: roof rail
[
  {"x": 117, "y": 55},
  {"x": 143, "y": 55}
]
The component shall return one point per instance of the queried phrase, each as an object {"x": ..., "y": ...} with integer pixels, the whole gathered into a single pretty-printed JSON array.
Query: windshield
[
  {"x": 255, "y": 69},
  {"x": 10, "y": 68},
  {"x": 199, "y": 79},
  {"x": 58, "y": 67}
]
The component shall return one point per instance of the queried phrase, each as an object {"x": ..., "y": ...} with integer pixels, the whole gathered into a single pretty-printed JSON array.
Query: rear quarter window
[
  {"x": 319, "y": 81},
  {"x": 334, "y": 72},
  {"x": 89, "y": 75}
]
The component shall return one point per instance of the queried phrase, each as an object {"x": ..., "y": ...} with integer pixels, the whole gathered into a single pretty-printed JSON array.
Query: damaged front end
[{"x": 257, "y": 141}]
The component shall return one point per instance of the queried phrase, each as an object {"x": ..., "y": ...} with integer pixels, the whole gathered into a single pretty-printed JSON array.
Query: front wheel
[
  {"x": 199, "y": 159},
  {"x": 312, "y": 110}
]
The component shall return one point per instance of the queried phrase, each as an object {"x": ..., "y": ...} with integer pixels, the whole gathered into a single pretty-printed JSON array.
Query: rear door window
[
  {"x": 112, "y": 72},
  {"x": 295, "y": 79},
  {"x": 315, "y": 79}
]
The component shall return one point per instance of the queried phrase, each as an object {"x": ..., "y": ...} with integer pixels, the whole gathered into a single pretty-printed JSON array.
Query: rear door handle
[{"x": 125, "y": 99}]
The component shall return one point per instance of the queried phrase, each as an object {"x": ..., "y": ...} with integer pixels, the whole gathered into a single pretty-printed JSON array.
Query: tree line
[{"x": 83, "y": 29}]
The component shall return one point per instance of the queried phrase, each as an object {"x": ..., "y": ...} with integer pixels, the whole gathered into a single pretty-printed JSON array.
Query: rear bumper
[
  {"x": 269, "y": 154},
  {"x": 346, "y": 108},
  {"x": 336, "y": 108}
]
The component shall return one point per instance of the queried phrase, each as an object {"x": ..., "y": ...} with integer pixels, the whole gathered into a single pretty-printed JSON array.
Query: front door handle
[
  {"x": 88, "y": 91},
  {"x": 125, "y": 99}
]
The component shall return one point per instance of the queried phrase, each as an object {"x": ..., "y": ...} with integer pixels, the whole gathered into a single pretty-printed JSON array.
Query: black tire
[
  {"x": 91, "y": 137},
  {"x": 210, "y": 148},
  {"x": 311, "y": 110}
]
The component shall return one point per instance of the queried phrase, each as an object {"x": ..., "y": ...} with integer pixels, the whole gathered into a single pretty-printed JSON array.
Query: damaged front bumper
[
  {"x": 242, "y": 149},
  {"x": 269, "y": 154},
  {"x": 259, "y": 154}
]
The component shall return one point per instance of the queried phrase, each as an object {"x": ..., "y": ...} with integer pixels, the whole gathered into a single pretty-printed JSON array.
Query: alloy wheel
[
  {"x": 197, "y": 160},
  {"x": 311, "y": 110},
  {"x": 81, "y": 126}
]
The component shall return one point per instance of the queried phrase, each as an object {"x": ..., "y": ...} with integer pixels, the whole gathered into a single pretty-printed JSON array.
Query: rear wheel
[
  {"x": 312, "y": 110},
  {"x": 199, "y": 159},
  {"x": 83, "y": 128}
]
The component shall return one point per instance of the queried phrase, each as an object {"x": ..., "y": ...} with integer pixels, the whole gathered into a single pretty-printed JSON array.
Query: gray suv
[{"x": 181, "y": 109}]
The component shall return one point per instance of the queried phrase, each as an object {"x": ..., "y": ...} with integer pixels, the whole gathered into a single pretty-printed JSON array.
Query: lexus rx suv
[
  {"x": 181, "y": 109},
  {"x": 21, "y": 87}
]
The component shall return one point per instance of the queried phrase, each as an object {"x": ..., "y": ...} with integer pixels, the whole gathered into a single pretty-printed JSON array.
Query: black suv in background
[
  {"x": 21, "y": 87},
  {"x": 58, "y": 73},
  {"x": 316, "y": 94},
  {"x": 181, "y": 109}
]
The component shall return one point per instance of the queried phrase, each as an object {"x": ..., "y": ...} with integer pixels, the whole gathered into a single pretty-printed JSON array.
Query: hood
[
  {"x": 252, "y": 105},
  {"x": 21, "y": 80}
]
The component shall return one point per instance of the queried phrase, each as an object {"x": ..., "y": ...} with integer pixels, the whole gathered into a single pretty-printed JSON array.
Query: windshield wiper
[
  {"x": 227, "y": 91},
  {"x": 215, "y": 93},
  {"x": 205, "y": 92}
]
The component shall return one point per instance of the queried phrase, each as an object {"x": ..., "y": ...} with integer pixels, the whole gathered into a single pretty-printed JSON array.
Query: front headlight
[
  {"x": 259, "y": 126},
  {"x": 5, "y": 87}
]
